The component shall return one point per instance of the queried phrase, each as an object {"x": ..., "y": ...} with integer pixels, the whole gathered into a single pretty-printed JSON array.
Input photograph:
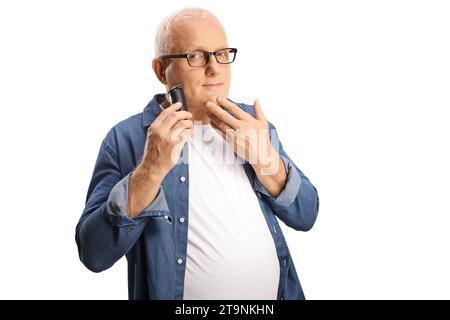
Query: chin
[{"x": 210, "y": 97}]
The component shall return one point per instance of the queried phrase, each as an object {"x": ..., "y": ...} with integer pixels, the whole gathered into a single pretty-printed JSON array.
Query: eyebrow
[{"x": 203, "y": 49}]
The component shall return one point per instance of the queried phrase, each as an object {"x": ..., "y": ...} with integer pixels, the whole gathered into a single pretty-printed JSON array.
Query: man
[{"x": 192, "y": 225}]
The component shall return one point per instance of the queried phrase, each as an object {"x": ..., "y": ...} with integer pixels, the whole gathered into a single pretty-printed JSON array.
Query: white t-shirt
[{"x": 231, "y": 253}]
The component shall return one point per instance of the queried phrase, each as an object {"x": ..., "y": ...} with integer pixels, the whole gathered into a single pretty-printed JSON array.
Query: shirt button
[
  {"x": 182, "y": 179},
  {"x": 181, "y": 219},
  {"x": 179, "y": 261},
  {"x": 259, "y": 194}
]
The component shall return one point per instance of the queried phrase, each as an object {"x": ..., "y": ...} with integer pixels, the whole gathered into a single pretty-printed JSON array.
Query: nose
[{"x": 212, "y": 67}]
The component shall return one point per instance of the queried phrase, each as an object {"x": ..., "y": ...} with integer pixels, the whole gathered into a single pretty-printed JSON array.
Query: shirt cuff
[
  {"x": 290, "y": 190},
  {"x": 118, "y": 200}
]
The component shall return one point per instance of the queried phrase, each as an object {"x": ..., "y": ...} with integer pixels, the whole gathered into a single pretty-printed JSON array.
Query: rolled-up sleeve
[
  {"x": 118, "y": 200},
  {"x": 105, "y": 232}
]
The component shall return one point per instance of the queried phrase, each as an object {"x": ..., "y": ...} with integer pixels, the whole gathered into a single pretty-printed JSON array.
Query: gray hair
[{"x": 164, "y": 40}]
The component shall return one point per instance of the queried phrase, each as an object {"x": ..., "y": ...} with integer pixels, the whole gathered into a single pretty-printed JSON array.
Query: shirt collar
[{"x": 153, "y": 109}]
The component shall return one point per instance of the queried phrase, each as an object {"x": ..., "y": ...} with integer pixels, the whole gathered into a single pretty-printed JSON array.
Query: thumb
[{"x": 258, "y": 111}]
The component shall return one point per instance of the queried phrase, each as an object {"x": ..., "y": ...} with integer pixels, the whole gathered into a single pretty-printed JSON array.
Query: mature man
[{"x": 191, "y": 224}]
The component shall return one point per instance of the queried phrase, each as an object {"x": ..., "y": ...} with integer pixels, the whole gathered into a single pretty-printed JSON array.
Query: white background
[{"x": 359, "y": 92}]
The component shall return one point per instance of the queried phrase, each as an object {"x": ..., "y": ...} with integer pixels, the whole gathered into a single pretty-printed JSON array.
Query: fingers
[
  {"x": 183, "y": 129},
  {"x": 234, "y": 109},
  {"x": 173, "y": 118},
  {"x": 222, "y": 115},
  {"x": 258, "y": 110},
  {"x": 218, "y": 124},
  {"x": 166, "y": 112}
]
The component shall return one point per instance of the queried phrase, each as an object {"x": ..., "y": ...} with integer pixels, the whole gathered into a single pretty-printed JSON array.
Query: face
[{"x": 191, "y": 35}]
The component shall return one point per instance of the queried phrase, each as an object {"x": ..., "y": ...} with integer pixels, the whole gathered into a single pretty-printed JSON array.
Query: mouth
[{"x": 212, "y": 85}]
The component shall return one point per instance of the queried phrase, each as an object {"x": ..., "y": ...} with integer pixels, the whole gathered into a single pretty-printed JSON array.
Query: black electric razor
[{"x": 176, "y": 94}]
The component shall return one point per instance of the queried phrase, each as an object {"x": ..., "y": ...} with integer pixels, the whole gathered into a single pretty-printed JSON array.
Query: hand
[
  {"x": 166, "y": 137},
  {"x": 248, "y": 136}
]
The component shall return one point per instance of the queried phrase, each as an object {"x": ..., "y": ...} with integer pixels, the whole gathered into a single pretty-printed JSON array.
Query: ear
[{"x": 159, "y": 68}]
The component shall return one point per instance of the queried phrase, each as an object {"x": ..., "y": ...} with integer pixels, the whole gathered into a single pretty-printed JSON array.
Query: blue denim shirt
[{"x": 155, "y": 242}]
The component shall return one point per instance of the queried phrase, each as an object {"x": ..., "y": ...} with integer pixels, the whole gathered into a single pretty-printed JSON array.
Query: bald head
[{"x": 171, "y": 29}]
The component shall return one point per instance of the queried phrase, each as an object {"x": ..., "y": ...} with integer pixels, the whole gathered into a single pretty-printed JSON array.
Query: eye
[{"x": 195, "y": 55}]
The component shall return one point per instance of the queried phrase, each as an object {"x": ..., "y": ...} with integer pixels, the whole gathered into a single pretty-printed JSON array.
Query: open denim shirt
[{"x": 155, "y": 242}]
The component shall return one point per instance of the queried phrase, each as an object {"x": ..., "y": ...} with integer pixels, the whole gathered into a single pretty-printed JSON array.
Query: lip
[{"x": 212, "y": 85}]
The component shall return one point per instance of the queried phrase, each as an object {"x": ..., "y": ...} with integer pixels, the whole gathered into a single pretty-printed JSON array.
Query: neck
[{"x": 199, "y": 114}]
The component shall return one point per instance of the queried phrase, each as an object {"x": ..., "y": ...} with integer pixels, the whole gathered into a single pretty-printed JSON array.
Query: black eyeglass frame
[{"x": 186, "y": 55}]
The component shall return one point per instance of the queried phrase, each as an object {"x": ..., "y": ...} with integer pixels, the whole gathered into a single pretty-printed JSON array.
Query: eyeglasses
[{"x": 200, "y": 58}]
